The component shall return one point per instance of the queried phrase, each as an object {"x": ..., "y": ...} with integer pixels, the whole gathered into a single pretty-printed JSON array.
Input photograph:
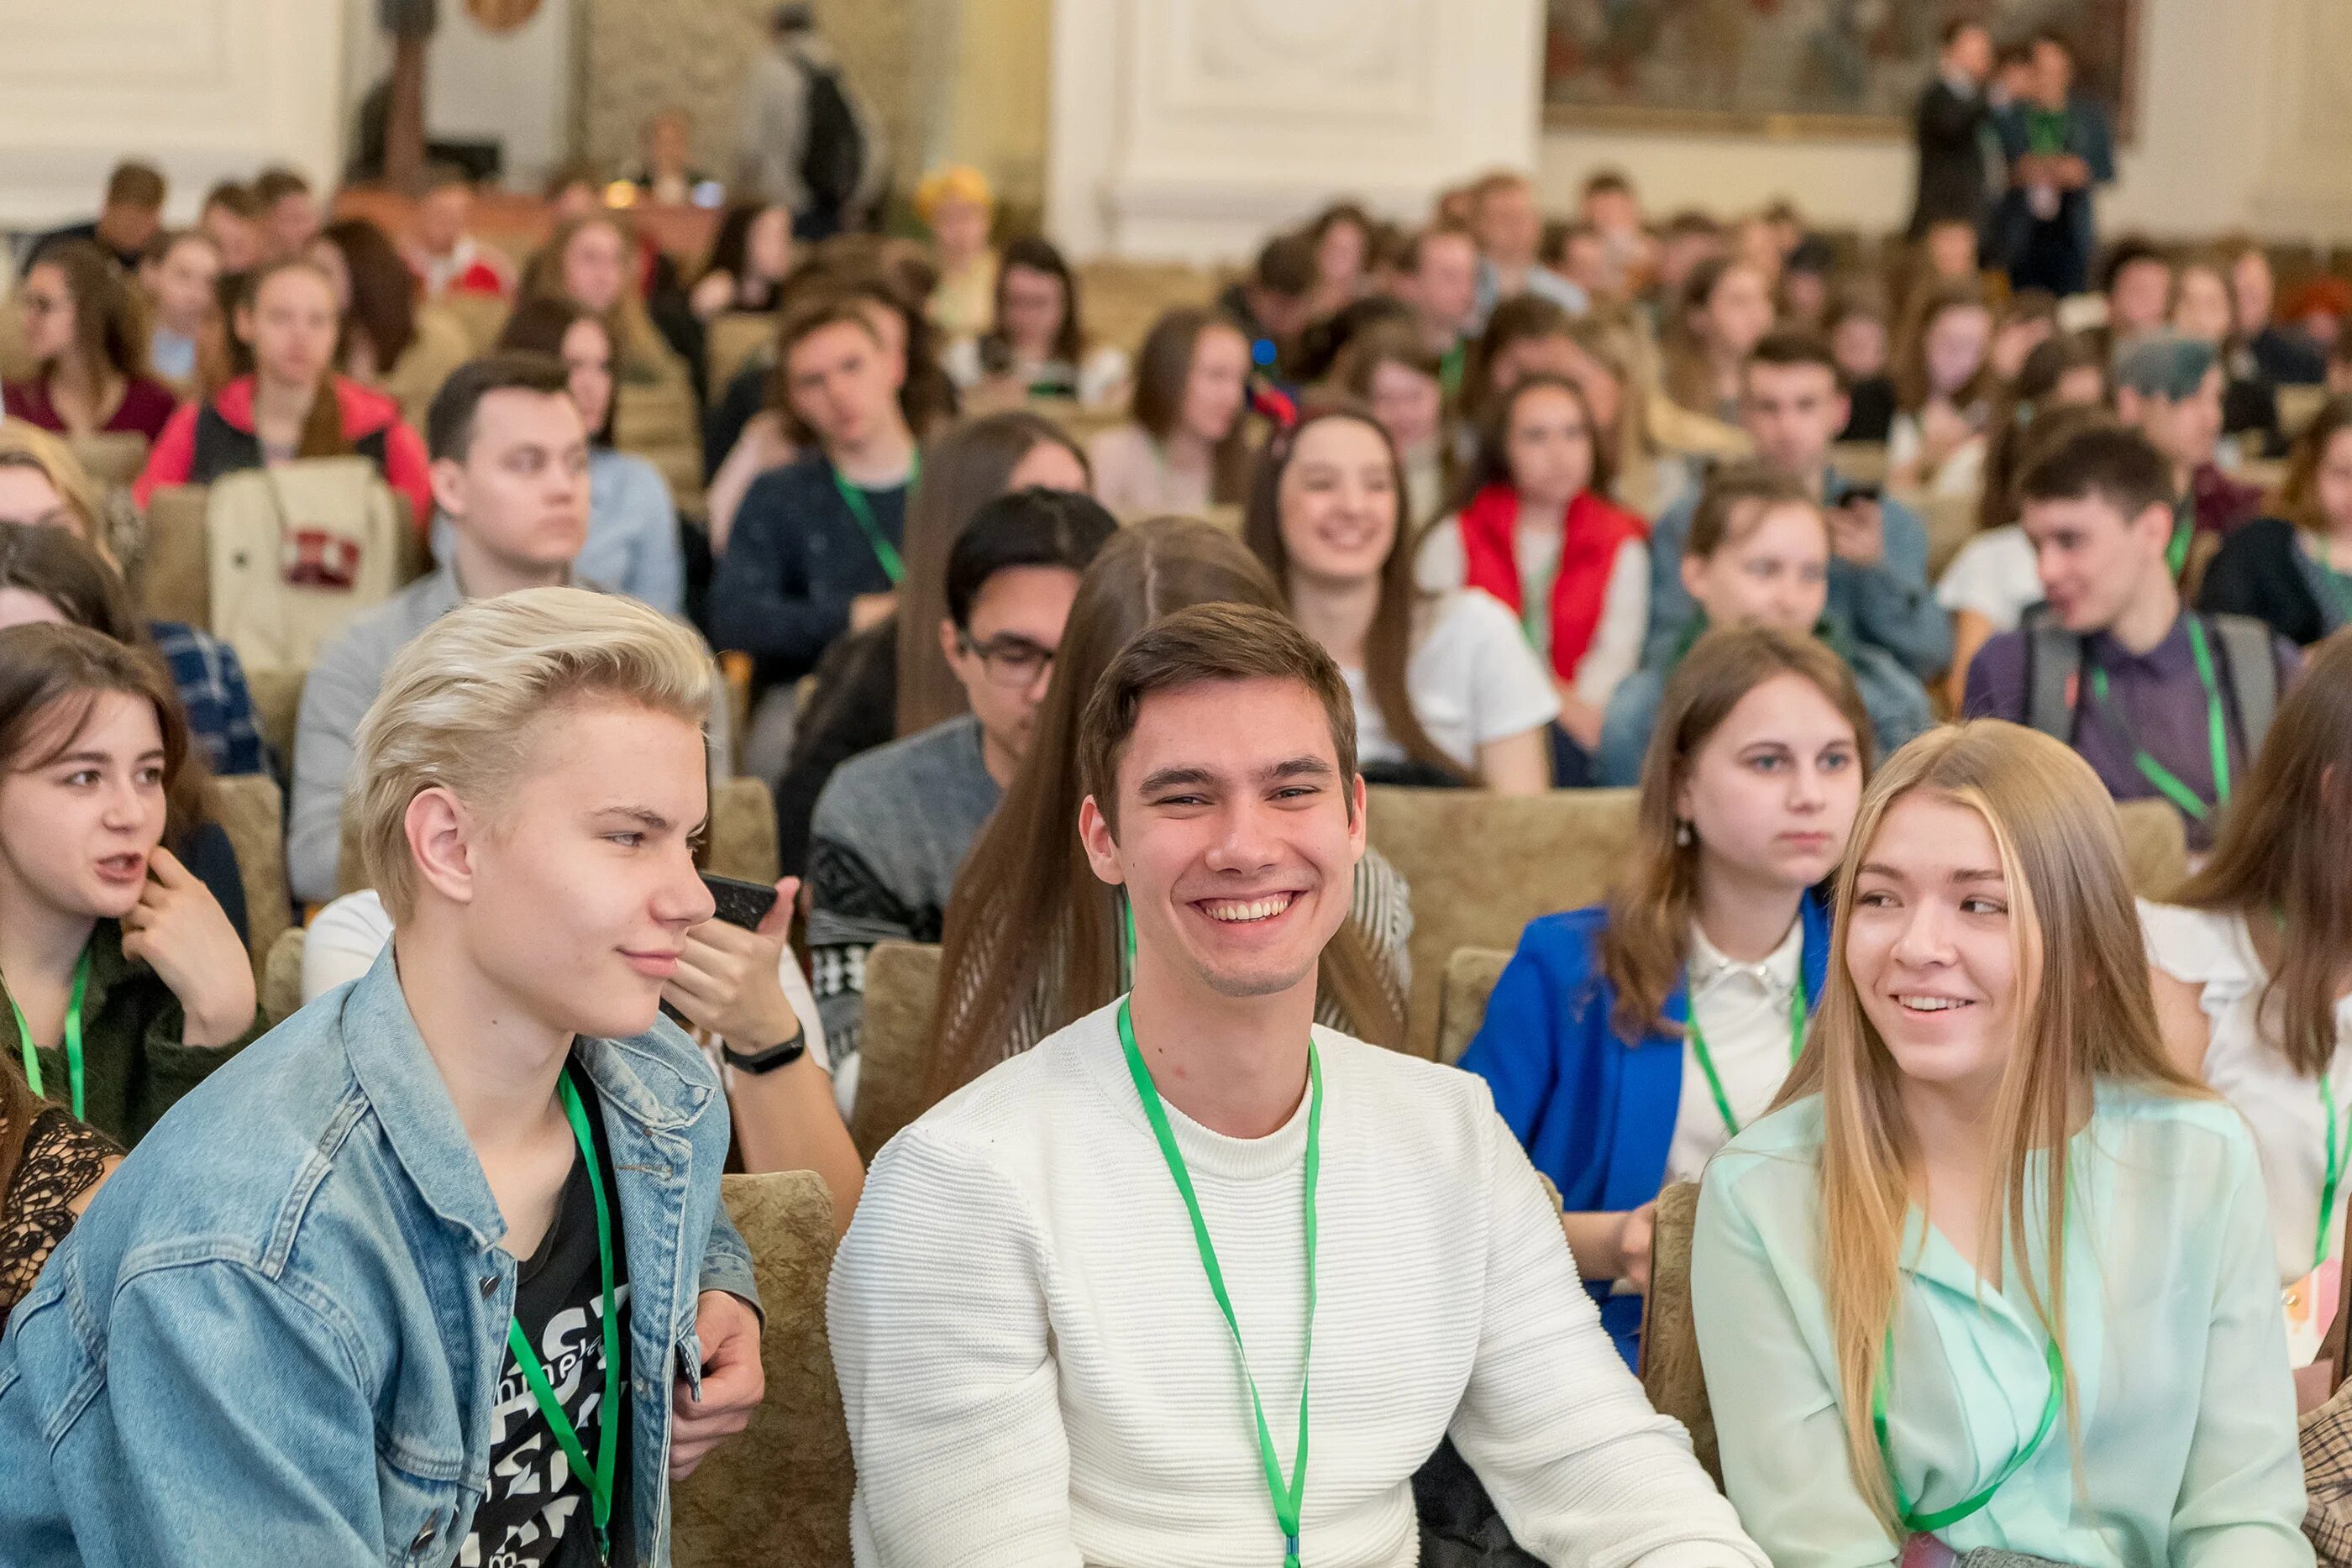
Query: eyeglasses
[{"x": 1012, "y": 662}]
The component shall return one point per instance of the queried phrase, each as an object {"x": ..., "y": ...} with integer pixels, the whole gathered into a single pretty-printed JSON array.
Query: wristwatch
[{"x": 760, "y": 1061}]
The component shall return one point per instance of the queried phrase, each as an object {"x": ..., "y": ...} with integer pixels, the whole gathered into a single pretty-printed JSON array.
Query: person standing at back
[
  {"x": 2058, "y": 147},
  {"x": 1950, "y": 129},
  {"x": 805, "y": 140}
]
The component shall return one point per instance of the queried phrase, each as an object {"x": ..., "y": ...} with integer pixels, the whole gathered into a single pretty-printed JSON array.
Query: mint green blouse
[{"x": 2188, "y": 1457}]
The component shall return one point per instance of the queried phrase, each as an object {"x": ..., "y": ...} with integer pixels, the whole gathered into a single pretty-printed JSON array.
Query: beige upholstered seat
[
  {"x": 1470, "y": 977},
  {"x": 1860, "y": 461},
  {"x": 175, "y": 568},
  {"x": 2155, "y": 847},
  {"x": 250, "y": 811},
  {"x": 1671, "y": 1373},
  {"x": 276, "y": 704},
  {"x": 281, "y": 976},
  {"x": 110, "y": 457},
  {"x": 902, "y": 982},
  {"x": 777, "y": 1495},
  {"x": 730, "y": 341},
  {"x": 1481, "y": 866}
]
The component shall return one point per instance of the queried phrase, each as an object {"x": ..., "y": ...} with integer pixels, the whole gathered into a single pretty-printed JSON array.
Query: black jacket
[{"x": 1949, "y": 130}]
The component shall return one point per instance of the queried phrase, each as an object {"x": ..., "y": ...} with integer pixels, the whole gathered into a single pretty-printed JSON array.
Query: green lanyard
[
  {"x": 1930, "y": 1522},
  {"x": 1449, "y": 371},
  {"x": 72, "y": 1040},
  {"x": 1707, "y": 1058},
  {"x": 2184, "y": 528},
  {"x": 2216, "y": 735},
  {"x": 598, "y": 1477},
  {"x": 893, "y": 567},
  {"x": 2335, "y": 1175},
  {"x": 1286, "y": 1499}
]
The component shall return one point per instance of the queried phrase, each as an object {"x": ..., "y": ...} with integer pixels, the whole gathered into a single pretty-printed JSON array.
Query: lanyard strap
[
  {"x": 2184, "y": 528},
  {"x": 598, "y": 1477},
  {"x": 1797, "y": 1008},
  {"x": 2334, "y": 1173},
  {"x": 2217, "y": 733},
  {"x": 1928, "y": 1523},
  {"x": 893, "y": 567},
  {"x": 72, "y": 1038},
  {"x": 1287, "y": 1498}
]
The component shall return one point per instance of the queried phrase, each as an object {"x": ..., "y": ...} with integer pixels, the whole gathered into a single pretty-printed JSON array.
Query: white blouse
[
  {"x": 1472, "y": 681},
  {"x": 2284, "y": 1109},
  {"x": 1993, "y": 575},
  {"x": 1440, "y": 565},
  {"x": 1743, "y": 1010}
]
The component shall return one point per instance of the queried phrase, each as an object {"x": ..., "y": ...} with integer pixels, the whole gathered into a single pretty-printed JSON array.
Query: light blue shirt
[
  {"x": 632, "y": 544},
  {"x": 2189, "y": 1455},
  {"x": 1541, "y": 281}
]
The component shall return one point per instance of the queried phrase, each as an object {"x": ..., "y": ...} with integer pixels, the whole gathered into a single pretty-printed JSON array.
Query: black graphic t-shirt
[{"x": 538, "y": 1513}]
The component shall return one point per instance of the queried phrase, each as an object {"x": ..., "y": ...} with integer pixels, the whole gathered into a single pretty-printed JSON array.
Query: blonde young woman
[{"x": 1996, "y": 1271}]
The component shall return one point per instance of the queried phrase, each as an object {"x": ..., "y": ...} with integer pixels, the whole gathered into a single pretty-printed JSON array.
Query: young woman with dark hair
[
  {"x": 1627, "y": 1041},
  {"x": 390, "y": 341},
  {"x": 633, "y": 543},
  {"x": 1445, "y": 688},
  {"x": 1186, "y": 448},
  {"x": 1036, "y": 345},
  {"x": 1721, "y": 314},
  {"x": 750, "y": 260},
  {"x": 1389, "y": 370},
  {"x": 127, "y": 982},
  {"x": 1537, "y": 532},
  {"x": 2252, "y": 961},
  {"x": 291, "y": 404},
  {"x": 2294, "y": 569},
  {"x": 1944, "y": 393},
  {"x": 1033, "y": 939},
  {"x": 86, "y": 335}
]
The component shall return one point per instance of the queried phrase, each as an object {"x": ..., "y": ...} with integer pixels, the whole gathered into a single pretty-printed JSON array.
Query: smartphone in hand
[{"x": 743, "y": 904}]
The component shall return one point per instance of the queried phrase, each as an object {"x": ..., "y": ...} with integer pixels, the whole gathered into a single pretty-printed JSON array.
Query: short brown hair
[
  {"x": 804, "y": 320},
  {"x": 1207, "y": 642},
  {"x": 135, "y": 185},
  {"x": 1443, "y": 228},
  {"x": 449, "y": 423},
  {"x": 274, "y": 185},
  {"x": 1787, "y": 347},
  {"x": 2104, "y": 462},
  {"x": 1737, "y": 496},
  {"x": 233, "y": 199}
]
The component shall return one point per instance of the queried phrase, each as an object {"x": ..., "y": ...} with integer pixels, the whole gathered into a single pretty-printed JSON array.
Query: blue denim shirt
[{"x": 276, "y": 1337}]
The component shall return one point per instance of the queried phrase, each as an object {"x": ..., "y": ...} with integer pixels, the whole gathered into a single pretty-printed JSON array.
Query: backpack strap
[
  {"x": 2250, "y": 671},
  {"x": 2053, "y": 660}
]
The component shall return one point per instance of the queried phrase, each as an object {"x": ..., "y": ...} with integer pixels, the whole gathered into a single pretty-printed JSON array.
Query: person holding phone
[
  {"x": 439, "y": 1272},
  {"x": 1792, "y": 406}
]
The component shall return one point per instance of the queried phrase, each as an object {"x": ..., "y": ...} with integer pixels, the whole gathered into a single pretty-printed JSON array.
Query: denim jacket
[{"x": 276, "y": 1337}]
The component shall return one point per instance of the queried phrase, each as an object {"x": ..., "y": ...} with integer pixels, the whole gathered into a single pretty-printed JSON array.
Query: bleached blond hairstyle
[{"x": 462, "y": 706}]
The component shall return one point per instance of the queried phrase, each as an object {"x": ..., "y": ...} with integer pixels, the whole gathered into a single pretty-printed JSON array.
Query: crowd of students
[{"x": 1490, "y": 504}]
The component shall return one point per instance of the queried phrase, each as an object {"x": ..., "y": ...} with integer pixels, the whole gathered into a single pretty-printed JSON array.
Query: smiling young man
[
  {"x": 1792, "y": 404},
  {"x": 814, "y": 549},
  {"x": 893, "y": 825},
  {"x": 436, "y": 1272},
  {"x": 1071, "y": 1319},
  {"x": 2161, "y": 701}
]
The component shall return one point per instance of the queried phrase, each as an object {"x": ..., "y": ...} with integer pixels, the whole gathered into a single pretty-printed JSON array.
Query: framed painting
[{"x": 1797, "y": 68}]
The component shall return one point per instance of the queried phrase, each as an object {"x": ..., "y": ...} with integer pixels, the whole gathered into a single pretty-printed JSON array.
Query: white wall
[
  {"x": 207, "y": 90},
  {"x": 512, "y": 87},
  {"x": 2220, "y": 82},
  {"x": 1189, "y": 128}
]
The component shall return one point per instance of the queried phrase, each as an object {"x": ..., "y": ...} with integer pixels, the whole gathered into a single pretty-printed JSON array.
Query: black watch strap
[{"x": 767, "y": 1060}]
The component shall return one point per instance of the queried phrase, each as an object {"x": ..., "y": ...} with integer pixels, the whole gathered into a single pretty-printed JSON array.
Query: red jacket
[{"x": 205, "y": 441}]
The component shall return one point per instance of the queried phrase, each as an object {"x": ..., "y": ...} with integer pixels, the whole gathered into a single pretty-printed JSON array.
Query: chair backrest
[
  {"x": 902, "y": 984},
  {"x": 296, "y": 552},
  {"x": 2156, "y": 846},
  {"x": 174, "y": 571},
  {"x": 743, "y": 831},
  {"x": 483, "y": 317},
  {"x": 281, "y": 977},
  {"x": 1860, "y": 461},
  {"x": 729, "y": 342},
  {"x": 778, "y": 1493},
  {"x": 1470, "y": 977},
  {"x": 250, "y": 811},
  {"x": 2298, "y": 406},
  {"x": 276, "y": 705},
  {"x": 1481, "y": 866},
  {"x": 1951, "y": 522},
  {"x": 1671, "y": 1373},
  {"x": 110, "y": 457},
  {"x": 660, "y": 423}
]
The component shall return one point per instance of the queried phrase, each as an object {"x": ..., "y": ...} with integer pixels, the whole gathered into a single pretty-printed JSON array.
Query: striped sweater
[{"x": 1034, "y": 1371}]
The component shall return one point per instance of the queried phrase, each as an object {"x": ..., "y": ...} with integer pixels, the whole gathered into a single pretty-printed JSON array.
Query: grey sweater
[
  {"x": 891, "y": 830},
  {"x": 341, "y": 684}
]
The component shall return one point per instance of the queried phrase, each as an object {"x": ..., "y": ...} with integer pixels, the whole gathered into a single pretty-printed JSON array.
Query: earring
[{"x": 1683, "y": 833}]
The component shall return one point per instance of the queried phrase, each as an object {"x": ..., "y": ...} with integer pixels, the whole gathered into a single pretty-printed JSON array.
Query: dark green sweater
[{"x": 133, "y": 1065}]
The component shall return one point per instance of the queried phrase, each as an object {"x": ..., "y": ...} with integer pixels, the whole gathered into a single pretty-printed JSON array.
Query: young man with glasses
[{"x": 892, "y": 825}]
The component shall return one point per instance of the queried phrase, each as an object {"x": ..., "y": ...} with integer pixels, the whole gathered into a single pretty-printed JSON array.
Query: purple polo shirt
[{"x": 2160, "y": 697}]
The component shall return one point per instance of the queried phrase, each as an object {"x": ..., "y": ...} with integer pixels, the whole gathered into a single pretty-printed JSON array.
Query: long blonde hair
[{"x": 2061, "y": 856}]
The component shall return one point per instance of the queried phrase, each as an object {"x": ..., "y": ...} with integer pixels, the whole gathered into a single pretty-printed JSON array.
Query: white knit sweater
[{"x": 1035, "y": 1374}]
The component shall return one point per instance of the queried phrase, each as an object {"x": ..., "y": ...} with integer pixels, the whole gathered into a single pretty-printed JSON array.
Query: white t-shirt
[
  {"x": 1992, "y": 575},
  {"x": 1471, "y": 680},
  {"x": 344, "y": 938},
  {"x": 1439, "y": 566},
  {"x": 1743, "y": 1010},
  {"x": 2284, "y": 1109}
]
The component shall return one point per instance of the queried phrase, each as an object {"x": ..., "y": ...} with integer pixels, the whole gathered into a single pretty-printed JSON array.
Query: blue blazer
[{"x": 1594, "y": 1111}]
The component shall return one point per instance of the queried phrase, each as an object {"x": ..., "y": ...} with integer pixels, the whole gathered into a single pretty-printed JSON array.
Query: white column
[
  {"x": 1189, "y": 128},
  {"x": 207, "y": 90}
]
